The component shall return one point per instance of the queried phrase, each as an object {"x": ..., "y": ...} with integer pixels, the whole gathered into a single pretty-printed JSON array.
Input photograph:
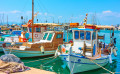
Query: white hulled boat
[{"x": 86, "y": 52}]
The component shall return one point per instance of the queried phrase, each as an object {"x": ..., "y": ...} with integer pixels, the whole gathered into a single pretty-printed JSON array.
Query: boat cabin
[
  {"x": 39, "y": 28},
  {"x": 49, "y": 41},
  {"x": 84, "y": 39}
]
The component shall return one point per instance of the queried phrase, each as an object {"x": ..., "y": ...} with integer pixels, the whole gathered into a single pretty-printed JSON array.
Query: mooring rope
[
  {"x": 40, "y": 59},
  {"x": 103, "y": 67},
  {"x": 49, "y": 61},
  {"x": 72, "y": 68}
]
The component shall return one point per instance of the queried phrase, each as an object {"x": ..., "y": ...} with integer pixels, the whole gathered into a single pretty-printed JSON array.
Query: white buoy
[
  {"x": 110, "y": 58},
  {"x": 114, "y": 51},
  {"x": 42, "y": 49}
]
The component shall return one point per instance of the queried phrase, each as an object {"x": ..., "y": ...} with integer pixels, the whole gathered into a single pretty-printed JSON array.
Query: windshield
[
  {"x": 50, "y": 36},
  {"x": 45, "y": 35}
]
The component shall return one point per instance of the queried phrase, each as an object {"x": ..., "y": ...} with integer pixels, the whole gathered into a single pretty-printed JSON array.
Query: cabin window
[
  {"x": 24, "y": 28},
  {"x": 82, "y": 35},
  {"x": 45, "y": 35},
  {"x": 50, "y": 36},
  {"x": 94, "y": 35},
  {"x": 30, "y": 29},
  {"x": 76, "y": 34},
  {"x": 59, "y": 36},
  {"x": 87, "y": 35},
  {"x": 37, "y": 29}
]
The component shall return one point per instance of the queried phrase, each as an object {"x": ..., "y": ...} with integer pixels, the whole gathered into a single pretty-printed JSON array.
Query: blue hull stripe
[
  {"x": 83, "y": 57},
  {"x": 85, "y": 63}
]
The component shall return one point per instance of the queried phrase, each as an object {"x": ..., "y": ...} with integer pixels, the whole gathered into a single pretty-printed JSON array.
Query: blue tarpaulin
[{"x": 16, "y": 33}]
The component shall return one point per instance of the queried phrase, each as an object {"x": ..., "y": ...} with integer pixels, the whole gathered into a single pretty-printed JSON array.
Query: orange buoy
[{"x": 63, "y": 50}]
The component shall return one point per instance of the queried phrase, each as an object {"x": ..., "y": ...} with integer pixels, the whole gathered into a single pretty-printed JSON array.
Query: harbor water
[{"x": 56, "y": 65}]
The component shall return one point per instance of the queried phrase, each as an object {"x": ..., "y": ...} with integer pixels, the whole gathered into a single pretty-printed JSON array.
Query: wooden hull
[
  {"x": 82, "y": 64},
  {"x": 24, "y": 54}
]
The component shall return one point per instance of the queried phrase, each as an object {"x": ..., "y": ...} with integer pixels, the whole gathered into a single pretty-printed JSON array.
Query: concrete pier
[{"x": 33, "y": 71}]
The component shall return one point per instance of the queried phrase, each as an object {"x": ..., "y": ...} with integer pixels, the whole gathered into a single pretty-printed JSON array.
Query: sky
[{"x": 102, "y": 12}]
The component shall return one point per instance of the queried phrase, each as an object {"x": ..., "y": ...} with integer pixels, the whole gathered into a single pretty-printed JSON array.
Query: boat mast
[
  {"x": 32, "y": 19},
  {"x": 7, "y": 20}
]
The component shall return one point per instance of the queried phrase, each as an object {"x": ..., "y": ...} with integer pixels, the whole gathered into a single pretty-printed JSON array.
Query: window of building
[
  {"x": 50, "y": 36},
  {"x": 82, "y": 35},
  {"x": 76, "y": 34},
  {"x": 88, "y": 35},
  {"x": 45, "y": 35},
  {"x": 37, "y": 29}
]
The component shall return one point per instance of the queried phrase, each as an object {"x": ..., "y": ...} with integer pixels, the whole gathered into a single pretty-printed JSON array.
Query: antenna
[
  {"x": 71, "y": 18},
  {"x": 58, "y": 20},
  {"x": 7, "y": 20},
  {"x": 3, "y": 18},
  {"x": 53, "y": 19}
]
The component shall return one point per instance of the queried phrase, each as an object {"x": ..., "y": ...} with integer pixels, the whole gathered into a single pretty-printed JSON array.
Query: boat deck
[{"x": 33, "y": 71}]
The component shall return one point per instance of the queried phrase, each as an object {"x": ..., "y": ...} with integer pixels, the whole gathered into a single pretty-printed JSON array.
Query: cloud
[
  {"x": 15, "y": 11},
  {"x": 9, "y": 12},
  {"x": 106, "y": 14},
  {"x": 108, "y": 11},
  {"x": 45, "y": 14},
  {"x": 39, "y": 13},
  {"x": 106, "y": 17},
  {"x": 60, "y": 17},
  {"x": 29, "y": 12}
]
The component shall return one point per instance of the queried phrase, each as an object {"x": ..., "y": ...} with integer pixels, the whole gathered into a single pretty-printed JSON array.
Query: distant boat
[{"x": 87, "y": 52}]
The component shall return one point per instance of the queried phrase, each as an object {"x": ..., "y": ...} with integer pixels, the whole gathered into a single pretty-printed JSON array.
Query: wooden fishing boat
[
  {"x": 87, "y": 52},
  {"x": 45, "y": 47}
]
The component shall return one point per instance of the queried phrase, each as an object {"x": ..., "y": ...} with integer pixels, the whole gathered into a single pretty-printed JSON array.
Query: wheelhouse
[{"x": 83, "y": 36}]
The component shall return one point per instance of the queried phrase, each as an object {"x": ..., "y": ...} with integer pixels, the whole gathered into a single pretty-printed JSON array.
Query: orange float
[{"x": 63, "y": 50}]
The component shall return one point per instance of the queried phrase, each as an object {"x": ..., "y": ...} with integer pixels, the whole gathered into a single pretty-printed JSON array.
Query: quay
[{"x": 33, "y": 71}]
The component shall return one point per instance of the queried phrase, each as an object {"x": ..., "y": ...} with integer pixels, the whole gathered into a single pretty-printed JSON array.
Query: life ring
[
  {"x": 29, "y": 22},
  {"x": 36, "y": 35}
]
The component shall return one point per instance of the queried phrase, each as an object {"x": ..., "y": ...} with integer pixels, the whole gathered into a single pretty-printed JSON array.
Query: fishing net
[
  {"x": 9, "y": 63},
  {"x": 10, "y": 58}
]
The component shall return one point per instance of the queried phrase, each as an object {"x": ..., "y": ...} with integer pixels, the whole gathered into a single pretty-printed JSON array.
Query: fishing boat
[
  {"x": 88, "y": 49},
  {"x": 45, "y": 47},
  {"x": 9, "y": 38}
]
